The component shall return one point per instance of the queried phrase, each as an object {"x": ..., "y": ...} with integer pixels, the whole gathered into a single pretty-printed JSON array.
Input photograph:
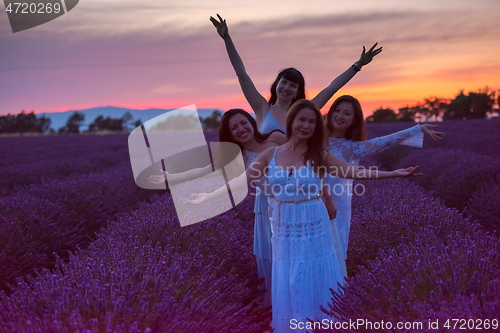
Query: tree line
[
  {"x": 474, "y": 105},
  {"x": 29, "y": 123}
]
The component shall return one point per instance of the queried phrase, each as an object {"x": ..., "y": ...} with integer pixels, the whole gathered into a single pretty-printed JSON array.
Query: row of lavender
[
  {"x": 479, "y": 136},
  {"x": 57, "y": 193},
  {"x": 463, "y": 169},
  {"x": 31, "y": 160},
  {"x": 147, "y": 274},
  {"x": 410, "y": 259},
  {"x": 401, "y": 264}
]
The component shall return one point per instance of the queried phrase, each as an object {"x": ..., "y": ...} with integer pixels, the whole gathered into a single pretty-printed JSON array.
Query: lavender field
[{"x": 83, "y": 249}]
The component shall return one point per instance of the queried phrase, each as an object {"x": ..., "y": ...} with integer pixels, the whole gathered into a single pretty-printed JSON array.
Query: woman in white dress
[
  {"x": 305, "y": 263},
  {"x": 345, "y": 127}
]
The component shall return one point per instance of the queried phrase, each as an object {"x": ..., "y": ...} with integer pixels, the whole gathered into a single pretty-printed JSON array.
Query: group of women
[{"x": 300, "y": 162}]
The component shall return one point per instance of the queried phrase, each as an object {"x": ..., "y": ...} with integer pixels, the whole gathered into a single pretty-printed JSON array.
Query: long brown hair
[
  {"x": 316, "y": 143},
  {"x": 225, "y": 135},
  {"x": 355, "y": 132}
]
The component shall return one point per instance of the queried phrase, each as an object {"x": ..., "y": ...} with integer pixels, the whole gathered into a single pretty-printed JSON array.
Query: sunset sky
[{"x": 166, "y": 54}]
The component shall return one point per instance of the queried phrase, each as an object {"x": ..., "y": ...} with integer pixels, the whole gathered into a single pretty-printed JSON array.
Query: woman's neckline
[{"x": 276, "y": 119}]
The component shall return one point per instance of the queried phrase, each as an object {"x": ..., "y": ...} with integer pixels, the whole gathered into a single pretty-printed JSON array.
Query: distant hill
[{"x": 59, "y": 118}]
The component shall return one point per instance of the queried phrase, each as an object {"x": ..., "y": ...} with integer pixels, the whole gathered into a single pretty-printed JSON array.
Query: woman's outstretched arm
[
  {"x": 412, "y": 137},
  {"x": 335, "y": 166},
  {"x": 181, "y": 176},
  {"x": 257, "y": 102},
  {"x": 255, "y": 171},
  {"x": 366, "y": 57}
]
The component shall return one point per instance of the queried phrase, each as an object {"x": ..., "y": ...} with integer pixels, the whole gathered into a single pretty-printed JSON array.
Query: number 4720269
[
  {"x": 471, "y": 324},
  {"x": 33, "y": 8}
]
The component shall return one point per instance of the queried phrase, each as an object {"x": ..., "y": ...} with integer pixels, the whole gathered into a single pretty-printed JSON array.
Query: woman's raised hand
[
  {"x": 367, "y": 57},
  {"x": 429, "y": 129},
  {"x": 220, "y": 25}
]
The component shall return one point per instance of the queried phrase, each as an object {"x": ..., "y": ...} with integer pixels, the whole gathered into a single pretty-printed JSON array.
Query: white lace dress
[
  {"x": 341, "y": 189},
  {"x": 305, "y": 265}
]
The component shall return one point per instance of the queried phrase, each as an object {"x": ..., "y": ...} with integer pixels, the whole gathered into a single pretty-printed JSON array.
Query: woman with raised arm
[
  {"x": 345, "y": 127},
  {"x": 305, "y": 265},
  {"x": 288, "y": 87}
]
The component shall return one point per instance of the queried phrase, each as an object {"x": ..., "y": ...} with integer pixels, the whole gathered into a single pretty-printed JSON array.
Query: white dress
[
  {"x": 305, "y": 265},
  {"x": 341, "y": 189},
  {"x": 262, "y": 235}
]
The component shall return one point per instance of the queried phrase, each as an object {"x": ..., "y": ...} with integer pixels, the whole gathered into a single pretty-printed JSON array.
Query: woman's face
[
  {"x": 286, "y": 89},
  {"x": 304, "y": 124},
  {"x": 241, "y": 129},
  {"x": 343, "y": 116}
]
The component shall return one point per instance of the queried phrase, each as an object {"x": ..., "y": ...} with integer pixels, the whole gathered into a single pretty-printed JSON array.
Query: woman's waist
[
  {"x": 295, "y": 198},
  {"x": 294, "y": 190}
]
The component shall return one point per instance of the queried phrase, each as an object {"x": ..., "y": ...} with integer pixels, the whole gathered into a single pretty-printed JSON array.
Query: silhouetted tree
[
  {"x": 24, "y": 123},
  {"x": 482, "y": 102},
  {"x": 127, "y": 118},
  {"x": 112, "y": 124},
  {"x": 8, "y": 124},
  {"x": 382, "y": 115},
  {"x": 106, "y": 124},
  {"x": 73, "y": 123},
  {"x": 212, "y": 122},
  {"x": 475, "y": 105},
  {"x": 435, "y": 107},
  {"x": 44, "y": 124},
  {"x": 407, "y": 113}
]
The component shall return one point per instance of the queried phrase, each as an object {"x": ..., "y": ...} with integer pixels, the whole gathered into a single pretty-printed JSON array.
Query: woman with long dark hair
[
  {"x": 239, "y": 127},
  {"x": 345, "y": 126},
  {"x": 305, "y": 263},
  {"x": 288, "y": 87}
]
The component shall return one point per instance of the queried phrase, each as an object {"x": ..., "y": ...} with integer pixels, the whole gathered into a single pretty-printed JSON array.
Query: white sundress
[{"x": 305, "y": 264}]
